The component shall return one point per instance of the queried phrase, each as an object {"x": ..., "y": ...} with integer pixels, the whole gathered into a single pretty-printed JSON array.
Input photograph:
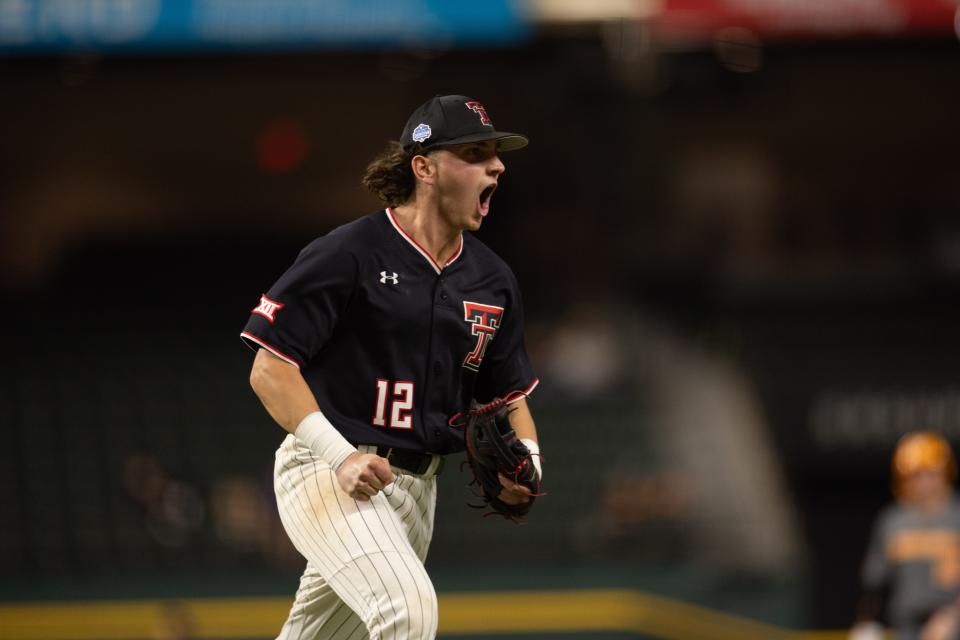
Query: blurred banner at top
[
  {"x": 50, "y": 26},
  {"x": 698, "y": 20},
  {"x": 46, "y": 26}
]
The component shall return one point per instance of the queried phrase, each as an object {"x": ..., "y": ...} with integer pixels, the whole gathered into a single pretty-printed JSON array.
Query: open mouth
[{"x": 485, "y": 196}]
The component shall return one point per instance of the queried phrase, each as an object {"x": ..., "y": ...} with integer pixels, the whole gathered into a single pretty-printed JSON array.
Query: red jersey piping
[{"x": 416, "y": 245}]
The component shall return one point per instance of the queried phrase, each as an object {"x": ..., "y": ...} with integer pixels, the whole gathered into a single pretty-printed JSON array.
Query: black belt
[{"x": 412, "y": 461}]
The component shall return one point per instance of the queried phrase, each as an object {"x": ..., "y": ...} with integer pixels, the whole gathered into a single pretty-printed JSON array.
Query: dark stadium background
[{"x": 764, "y": 230}]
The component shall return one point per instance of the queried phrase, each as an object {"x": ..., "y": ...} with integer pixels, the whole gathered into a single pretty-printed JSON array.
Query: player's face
[
  {"x": 926, "y": 485},
  {"x": 467, "y": 176}
]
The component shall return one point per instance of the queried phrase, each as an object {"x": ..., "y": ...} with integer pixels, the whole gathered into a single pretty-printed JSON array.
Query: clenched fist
[{"x": 363, "y": 475}]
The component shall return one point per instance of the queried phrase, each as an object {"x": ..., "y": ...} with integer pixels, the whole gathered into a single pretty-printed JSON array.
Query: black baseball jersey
[
  {"x": 391, "y": 343},
  {"x": 917, "y": 555}
]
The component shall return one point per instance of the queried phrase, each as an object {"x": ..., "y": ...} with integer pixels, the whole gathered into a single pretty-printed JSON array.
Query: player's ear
[{"x": 424, "y": 168}]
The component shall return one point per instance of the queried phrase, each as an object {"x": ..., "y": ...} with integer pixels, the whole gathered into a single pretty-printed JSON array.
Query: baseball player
[
  {"x": 367, "y": 348},
  {"x": 914, "y": 552}
]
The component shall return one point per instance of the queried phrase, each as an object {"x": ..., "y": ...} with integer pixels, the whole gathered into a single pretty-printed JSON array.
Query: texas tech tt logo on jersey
[
  {"x": 484, "y": 318},
  {"x": 267, "y": 308}
]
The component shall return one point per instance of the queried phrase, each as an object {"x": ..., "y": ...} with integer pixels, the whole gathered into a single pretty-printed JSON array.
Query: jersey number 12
[{"x": 401, "y": 404}]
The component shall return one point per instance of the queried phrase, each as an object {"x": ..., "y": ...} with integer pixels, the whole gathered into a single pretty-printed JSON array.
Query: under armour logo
[
  {"x": 392, "y": 278},
  {"x": 267, "y": 308}
]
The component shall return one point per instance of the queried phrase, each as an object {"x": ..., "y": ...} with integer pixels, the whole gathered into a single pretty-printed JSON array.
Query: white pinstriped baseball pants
[{"x": 365, "y": 576}]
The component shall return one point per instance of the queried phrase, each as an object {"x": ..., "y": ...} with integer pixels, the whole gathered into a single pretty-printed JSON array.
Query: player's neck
[
  {"x": 425, "y": 225},
  {"x": 934, "y": 503}
]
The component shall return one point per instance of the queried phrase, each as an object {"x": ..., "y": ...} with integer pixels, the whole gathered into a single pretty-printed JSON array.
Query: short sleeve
[
  {"x": 506, "y": 371},
  {"x": 296, "y": 317},
  {"x": 876, "y": 569}
]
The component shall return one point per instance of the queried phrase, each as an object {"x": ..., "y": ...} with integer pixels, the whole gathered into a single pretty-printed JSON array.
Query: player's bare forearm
[
  {"x": 522, "y": 421},
  {"x": 282, "y": 390}
]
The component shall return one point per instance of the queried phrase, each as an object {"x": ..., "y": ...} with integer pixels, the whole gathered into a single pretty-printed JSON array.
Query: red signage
[{"x": 693, "y": 20}]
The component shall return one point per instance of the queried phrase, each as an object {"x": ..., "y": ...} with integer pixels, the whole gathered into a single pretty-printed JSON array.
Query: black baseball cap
[{"x": 444, "y": 120}]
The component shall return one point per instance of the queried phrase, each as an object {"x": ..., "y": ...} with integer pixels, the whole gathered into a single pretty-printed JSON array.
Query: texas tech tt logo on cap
[
  {"x": 475, "y": 106},
  {"x": 267, "y": 308},
  {"x": 485, "y": 319}
]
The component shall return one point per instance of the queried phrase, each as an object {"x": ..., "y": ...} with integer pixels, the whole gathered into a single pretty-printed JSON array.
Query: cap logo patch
[
  {"x": 480, "y": 111},
  {"x": 422, "y": 132}
]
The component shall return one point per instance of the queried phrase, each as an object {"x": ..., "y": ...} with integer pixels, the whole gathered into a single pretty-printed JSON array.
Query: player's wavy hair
[{"x": 389, "y": 176}]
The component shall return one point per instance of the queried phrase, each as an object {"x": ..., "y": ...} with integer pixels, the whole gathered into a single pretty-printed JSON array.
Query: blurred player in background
[{"x": 913, "y": 561}]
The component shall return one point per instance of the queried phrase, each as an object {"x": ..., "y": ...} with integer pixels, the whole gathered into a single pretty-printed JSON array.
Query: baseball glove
[{"x": 492, "y": 448}]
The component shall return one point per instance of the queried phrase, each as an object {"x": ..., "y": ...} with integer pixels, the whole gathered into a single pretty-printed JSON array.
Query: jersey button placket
[
  {"x": 443, "y": 292},
  {"x": 433, "y": 436}
]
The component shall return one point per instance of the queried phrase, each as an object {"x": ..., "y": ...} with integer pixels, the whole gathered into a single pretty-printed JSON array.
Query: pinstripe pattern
[{"x": 364, "y": 576}]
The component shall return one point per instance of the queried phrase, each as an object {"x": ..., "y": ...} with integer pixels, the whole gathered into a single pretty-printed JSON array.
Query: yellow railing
[{"x": 460, "y": 613}]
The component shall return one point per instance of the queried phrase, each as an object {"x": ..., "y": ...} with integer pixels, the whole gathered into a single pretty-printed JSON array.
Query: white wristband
[
  {"x": 535, "y": 457},
  {"x": 316, "y": 432}
]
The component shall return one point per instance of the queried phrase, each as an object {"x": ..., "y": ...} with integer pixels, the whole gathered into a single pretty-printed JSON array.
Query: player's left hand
[{"x": 513, "y": 492}]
